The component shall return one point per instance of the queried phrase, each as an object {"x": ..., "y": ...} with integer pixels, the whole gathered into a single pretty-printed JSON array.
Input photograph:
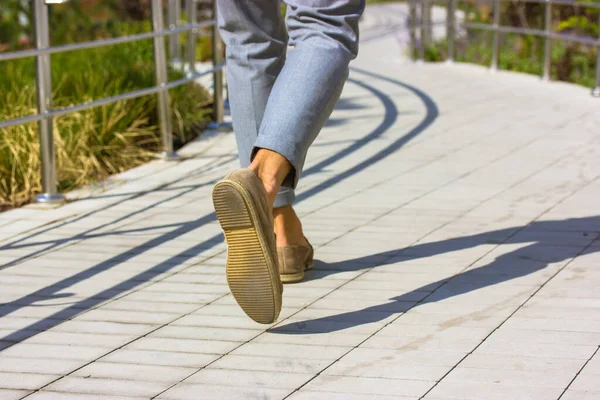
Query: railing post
[
  {"x": 217, "y": 48},
  {"x": 49, "y": 193},
  {"x": 596, "y": 90},
  {"x": 423, "y": 34},
  {"x": 191, "y": 9},
  {"x": 412, "y": 26},
  {"x": 451, "y": 28},
  {"x": 160, "y": 65},
  {"x": 496, "y": 36},
  {"x": 427, "y": 23},
  {"x": 547, "y": 39},
  {"x": 173, "y": 17}
]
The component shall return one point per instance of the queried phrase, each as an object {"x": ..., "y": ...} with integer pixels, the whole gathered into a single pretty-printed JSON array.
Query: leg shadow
[{"x": 544, "y": 249}]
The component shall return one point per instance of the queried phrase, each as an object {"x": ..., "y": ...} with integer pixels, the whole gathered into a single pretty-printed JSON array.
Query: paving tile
[
  {"x": 60, "y": 352},
  {"x": 172, "y": 297},
  {"x": 99, "y": 386},
  {"x": 581, "y": 395},
  {"x": 388, "y": 369},
  {"x": 271, "y": 364},
  {"x": 191, "y": 391},
  {"x": 205, "y": 333},
  {"x": 361, "y": 385},
  {"x": 90, "y": 339},
  {"x": 506, "y": 377},
  {"x": 464, "y": 390},
  {"x": 384, "y": 296},
  {"x": 467, "y": 319},
  {"x": 188, "y": 288},
  {"x": 10, "y": 380},
  {"x": 559, "y": 313},
  {"x": 147, "y": 318},
  {"x": 311, "y": 352},
  {"x": 45, "y": 395},
  {"x": 321, "y": 395},
  {"x": 253, "y": 379},
  {"x": 10, "y": 394},
  {"x": 48, "y": 366},
  {"x": 134, "y": 372},
  {"x": 218, "y": 321},
  {"x": 103, "y": 328},
  {"x": 431, "y": 343},
  {"x": 17, "y": 323},
  {"x": 324, "y": 339},
  {"x": 148, "y": 357},
  {"x": 586, "y": 383},
  {"x": 555, "y": 337},
  {"x": 329, "y": 325},
  {"x": 183, "y": 345},
  {"x": 229, "y": 310},
  {"x": 517, "y": 362},
  {"x": 400, "y": 329},
  {"x": 530, "y": 349},
  {"x": 351, "y": 305},
  {"x": 364, "y": 356},
  {"x": 593, "y": 366},
  {"x": 226, "y": 314}
]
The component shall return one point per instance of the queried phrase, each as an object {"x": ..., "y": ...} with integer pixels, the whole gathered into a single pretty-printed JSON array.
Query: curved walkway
[{"x": 456, "y": 216}]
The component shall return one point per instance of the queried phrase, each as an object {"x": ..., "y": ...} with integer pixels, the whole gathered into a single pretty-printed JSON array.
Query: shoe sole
[{"x": 251, "y": 271}]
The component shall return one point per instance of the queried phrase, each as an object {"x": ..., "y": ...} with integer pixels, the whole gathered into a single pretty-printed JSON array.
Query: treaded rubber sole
[{"x": 251, "y": 271}]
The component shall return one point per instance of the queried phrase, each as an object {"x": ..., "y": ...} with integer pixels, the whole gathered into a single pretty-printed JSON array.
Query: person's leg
[
  {"x": 254, "y": 34},
  {"x": 256, "y": 41},
  {"x": 324, "y": 39},
  {"x": 324, "y": 36}
]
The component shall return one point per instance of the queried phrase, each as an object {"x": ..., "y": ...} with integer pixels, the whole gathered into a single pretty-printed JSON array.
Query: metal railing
[
  {"x": 420, "y": 24},
  {"x": 46, "y": 113}
]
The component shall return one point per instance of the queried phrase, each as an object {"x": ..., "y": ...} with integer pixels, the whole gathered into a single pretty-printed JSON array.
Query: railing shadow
[
  {"x": 52, "y": 291},
  {"x": 541, "y": 251},
  {"x": 53, "y": 244}
]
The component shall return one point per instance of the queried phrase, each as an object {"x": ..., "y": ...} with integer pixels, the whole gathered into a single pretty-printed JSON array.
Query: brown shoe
[
  {"x": 293, "y": 261},
  {"x": 241, "y": 205}
]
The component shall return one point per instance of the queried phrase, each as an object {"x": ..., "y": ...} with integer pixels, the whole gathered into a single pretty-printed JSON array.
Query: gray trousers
[{"x": 280, "y": 98}]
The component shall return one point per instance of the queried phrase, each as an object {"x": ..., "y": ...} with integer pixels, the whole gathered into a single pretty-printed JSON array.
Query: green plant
[
  {"x": 95, "y": 143},
  {"x": 570, "y": 61},
  {"x": 13, "y": 33}
]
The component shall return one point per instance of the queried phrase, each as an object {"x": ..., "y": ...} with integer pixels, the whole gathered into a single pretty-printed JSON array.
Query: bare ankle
[
  {"x": 271, "y": 168},
  {"x": 288, "y": 227}
]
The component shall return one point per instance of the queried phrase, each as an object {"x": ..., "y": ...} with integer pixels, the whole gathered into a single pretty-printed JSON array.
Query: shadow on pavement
[
  {"x": 53, "y": 291},
  {"x": 541, "y": 249}
]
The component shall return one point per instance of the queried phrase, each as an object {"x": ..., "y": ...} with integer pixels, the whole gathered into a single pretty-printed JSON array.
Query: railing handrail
[
  {"x": 534, "y": 32},
  {"x": 560, "y": 2},
  {"x": 46, "y": 113},
  {"x": 104, "y": 42},
  {"x": 105, "y": 100},
  {"x": 422, "y": 25}
]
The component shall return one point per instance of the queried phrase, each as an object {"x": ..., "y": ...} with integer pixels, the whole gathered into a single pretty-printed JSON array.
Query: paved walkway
[{"x": 456, "y": 215}]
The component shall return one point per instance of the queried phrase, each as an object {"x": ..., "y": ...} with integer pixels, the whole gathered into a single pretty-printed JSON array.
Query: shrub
[{"x": 95, "y": 143}]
